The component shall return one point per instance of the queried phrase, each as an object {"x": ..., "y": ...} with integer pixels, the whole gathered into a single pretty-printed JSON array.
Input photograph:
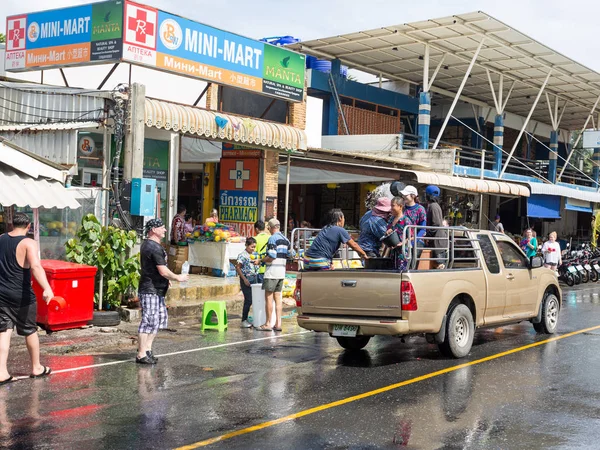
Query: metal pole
[
  {"x": 537, "y": 99},
  {"x": 105, "y": 175},
  {"x": 457, "y": 96},
  {"x": 287, "y": 195},
  {"x": 577, "y": 141},
  {"x": 426, "y": 69}
]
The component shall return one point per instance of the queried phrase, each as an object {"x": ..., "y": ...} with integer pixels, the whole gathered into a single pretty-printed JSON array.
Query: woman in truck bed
[
  {"x": 398, "y": 221},
  {"x": 319, "y": 255}
]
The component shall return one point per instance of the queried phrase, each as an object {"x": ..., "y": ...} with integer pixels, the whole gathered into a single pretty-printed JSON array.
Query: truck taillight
[
  {"x": 298, "y": 293},
  {"x": 408, "y": 299}
]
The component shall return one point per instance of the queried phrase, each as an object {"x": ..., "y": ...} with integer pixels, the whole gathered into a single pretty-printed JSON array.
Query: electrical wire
[
  {"x": 39, "y": 108},
  {"x": 574, "y": 167},
  {"x": 39, "y": 91},
  {"x": 501, "y": 149}
]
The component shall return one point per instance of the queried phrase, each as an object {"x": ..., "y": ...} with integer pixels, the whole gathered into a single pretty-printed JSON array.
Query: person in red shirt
[{"x": 178, "y": 225}]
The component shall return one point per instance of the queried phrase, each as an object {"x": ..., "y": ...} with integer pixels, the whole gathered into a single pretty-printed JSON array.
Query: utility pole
[{"x": 133, "y": 160}]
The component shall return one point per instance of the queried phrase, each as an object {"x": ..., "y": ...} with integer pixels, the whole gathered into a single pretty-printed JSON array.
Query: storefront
[{"x": 36, "y": 187}]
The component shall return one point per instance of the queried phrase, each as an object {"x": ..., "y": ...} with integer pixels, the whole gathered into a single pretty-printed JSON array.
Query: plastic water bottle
[{"x": 185, "y": 270}]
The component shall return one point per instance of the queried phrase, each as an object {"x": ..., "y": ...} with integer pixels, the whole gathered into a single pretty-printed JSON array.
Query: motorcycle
[{"x": 565, "y": 274}]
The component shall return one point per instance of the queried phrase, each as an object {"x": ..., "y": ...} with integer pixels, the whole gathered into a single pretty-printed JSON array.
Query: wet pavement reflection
[{"x": 542, "y": 397}]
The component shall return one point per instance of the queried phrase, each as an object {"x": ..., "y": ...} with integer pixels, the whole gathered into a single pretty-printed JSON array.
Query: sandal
[
  {"x": 47, "y": 371},
  {"x": 264, "y": 328},
  {"x": 277, "y": 329},
  {"x": 8, "y": 380}
]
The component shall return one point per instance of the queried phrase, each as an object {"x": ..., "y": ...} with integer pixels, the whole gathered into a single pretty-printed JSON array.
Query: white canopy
[{"x": 26, "y": 180}]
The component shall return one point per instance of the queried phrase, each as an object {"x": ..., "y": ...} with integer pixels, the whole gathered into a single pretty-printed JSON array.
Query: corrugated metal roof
[
  {"x": 22, "y": 190},
  {"x": 58, "y": 146},
  {"x": 27, "y": 104},
  {"x": 201, "y": 122},
  {"x": 563, "y": 191},
  {"x": 27, "y": 180},
  {"x": 396, "y": 52}
]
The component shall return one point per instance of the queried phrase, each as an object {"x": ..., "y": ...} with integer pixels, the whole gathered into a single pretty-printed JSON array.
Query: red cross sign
[
  {"x": 15, "y": 33},
  {"x": 141, "y": 25}
]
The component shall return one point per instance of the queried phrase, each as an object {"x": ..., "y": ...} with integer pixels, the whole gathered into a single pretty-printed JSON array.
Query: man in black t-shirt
[{"x": 154, "y": 283}]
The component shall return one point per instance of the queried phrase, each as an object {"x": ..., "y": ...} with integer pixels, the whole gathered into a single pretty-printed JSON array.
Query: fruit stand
[{"x": 214, "y": 245}]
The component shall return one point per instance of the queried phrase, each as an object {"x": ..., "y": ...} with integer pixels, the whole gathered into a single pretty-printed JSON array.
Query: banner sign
[
  {"x": 65, "y": 37},
  {"x": 238, "y": 196},
  {"x": 118, "y": 30},
  {"x": 238, "y": 151}
]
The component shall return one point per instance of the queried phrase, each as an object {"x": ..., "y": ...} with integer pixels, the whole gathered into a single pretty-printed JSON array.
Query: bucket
[
  {"x": 391, "y": 240},
  {"x": 259, "y": 315}
]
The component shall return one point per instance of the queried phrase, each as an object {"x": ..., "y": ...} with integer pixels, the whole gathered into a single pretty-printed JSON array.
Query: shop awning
[
  {"x": 29, "y": 180},
  {"x": 564, "y": 191},
  {"x": 543, "y": 206},
  {"x": 471, "y": 184},
  {"x": 20, "y": 189},
  {"x": 307, "y": 175},
  {"x": 222, "y": 126}
]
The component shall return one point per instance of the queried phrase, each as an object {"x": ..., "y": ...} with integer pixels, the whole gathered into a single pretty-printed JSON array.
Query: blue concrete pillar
[
  {"x": 498, "y": 142},
  {"x": 424, "y": 119},
  {"x": 334, "y": 113},
  {"x": 596, "y": 169},
  {"x": 552, "y": 157}
]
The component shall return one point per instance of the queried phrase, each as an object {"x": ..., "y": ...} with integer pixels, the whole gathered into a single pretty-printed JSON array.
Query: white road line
[{"x": 199, "y": 349}]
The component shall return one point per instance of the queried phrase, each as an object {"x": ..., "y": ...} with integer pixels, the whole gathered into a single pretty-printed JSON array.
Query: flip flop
[
  {"x": 263, "y": 328},
  {"x": 8, "y": 380},
  {"x": 47, "y": 371},
  {"x": 277, "y": 329}
]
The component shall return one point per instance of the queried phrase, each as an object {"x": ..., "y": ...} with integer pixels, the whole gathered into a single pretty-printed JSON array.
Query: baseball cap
[
  {"x": 432, "y": 191},
  {"x": 273, "y": 223},
  {"x": 153, "y": 223},
  {"x": 409, "y": 190}
]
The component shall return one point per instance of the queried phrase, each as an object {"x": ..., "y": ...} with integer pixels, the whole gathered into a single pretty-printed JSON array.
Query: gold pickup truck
[{"x": 487, "y": 282}]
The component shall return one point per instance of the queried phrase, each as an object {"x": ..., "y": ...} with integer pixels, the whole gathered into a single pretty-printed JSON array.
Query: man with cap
[
  {"x": 279, "y": 249},
  {"x": 435, "y": 218},
  {"x": 373, "y": 226},
  {"x": 154, "y": 283}
]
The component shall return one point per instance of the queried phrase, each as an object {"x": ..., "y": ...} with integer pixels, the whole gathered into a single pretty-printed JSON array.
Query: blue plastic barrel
[
  {"x": 322, "y": 65},
  {"x": 310, "y": 60},
  {"x": 281, "y": 40}
]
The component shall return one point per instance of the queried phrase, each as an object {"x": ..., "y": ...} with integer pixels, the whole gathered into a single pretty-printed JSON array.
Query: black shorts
[
  {"x": 24, "y": 318},
  {"x": 551, "y": 264}
]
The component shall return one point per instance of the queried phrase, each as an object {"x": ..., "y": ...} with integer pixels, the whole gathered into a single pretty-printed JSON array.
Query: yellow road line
[{"x": 390, "y": 387}]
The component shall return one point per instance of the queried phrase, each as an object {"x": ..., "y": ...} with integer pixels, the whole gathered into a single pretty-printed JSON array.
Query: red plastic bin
[{"x": 73, "y": 286}]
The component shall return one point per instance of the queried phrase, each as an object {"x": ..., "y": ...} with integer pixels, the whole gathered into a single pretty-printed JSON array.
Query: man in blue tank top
[{"x": 19, "y": 260}]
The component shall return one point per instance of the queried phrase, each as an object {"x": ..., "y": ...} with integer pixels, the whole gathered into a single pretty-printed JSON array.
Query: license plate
[
  {"x": 588, "y": 267},
  {"x": 580, "y": 268},
  {"x": 572, "y": 269},
  {"x": 345, "y": 330}
]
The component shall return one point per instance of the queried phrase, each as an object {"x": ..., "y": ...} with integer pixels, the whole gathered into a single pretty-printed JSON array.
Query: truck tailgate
[{"x": 351, "y": 292}]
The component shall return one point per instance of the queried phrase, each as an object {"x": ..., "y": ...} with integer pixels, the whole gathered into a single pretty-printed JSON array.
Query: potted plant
[{"x": 109, "y": 249}]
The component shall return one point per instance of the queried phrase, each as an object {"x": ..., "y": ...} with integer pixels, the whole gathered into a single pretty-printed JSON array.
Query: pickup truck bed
[{"x": 444, "y": 305}]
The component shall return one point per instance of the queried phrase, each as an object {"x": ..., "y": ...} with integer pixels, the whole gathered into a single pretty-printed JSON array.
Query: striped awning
[
  {"x": 472, "y": 184},
  {"x": 222, "y": 126}
]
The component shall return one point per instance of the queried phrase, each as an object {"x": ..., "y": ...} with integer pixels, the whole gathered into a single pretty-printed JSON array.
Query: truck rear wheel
[
  {"x": 550, "y": 310},
  {"x": 353, "y": 343},
  {"x": 460, "y": 331}
]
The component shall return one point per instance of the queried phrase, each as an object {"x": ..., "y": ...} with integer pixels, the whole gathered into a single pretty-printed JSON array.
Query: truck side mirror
[{"x": 535, "y": 262}]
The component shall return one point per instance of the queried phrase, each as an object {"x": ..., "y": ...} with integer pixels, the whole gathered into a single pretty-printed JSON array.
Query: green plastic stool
[{"x": 220, "y": 309}]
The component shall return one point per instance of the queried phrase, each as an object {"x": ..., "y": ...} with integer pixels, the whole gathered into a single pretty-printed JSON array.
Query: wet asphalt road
[{"x": 542, "y": 397}]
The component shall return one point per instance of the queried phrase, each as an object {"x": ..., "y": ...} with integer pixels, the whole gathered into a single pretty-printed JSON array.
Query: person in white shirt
[{"x": 551, "y": 252}]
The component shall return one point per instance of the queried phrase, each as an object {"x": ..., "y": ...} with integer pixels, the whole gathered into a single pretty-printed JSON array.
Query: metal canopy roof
[{"x": 396, "y": 53}]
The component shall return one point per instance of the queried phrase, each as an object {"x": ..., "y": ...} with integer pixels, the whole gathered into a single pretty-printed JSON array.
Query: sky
[{"x": 567, "y": 27}]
